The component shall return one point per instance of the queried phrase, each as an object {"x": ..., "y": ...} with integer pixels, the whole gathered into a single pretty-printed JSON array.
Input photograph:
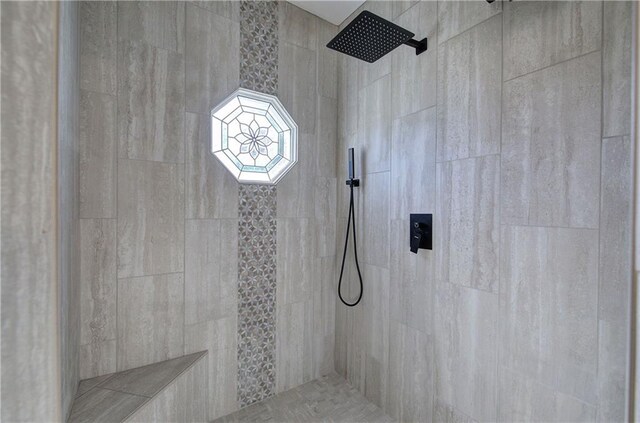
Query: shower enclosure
[{"x": 132, "y": 252}]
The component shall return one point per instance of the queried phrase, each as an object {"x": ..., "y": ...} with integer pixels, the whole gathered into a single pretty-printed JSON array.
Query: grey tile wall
[
  {"x": 551, "y": 146},
  {"x": 517, "y": 313},
  {"x": 150, "y": 218},
  {"x": 150, "y": 319},
  {"x": 175, "y": 209},
  {"x": 541, "y": 34},
  {"x": 469, "y": 83}
]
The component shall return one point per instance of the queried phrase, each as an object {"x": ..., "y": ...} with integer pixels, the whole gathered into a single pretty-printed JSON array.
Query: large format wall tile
[
  {"x": 158, "y": 23},
  {"x": 327, "y": 139},
  {"x": 211, "y": 190},
  {"x": 538, "y": 34},
  {"x": 325, "y": 216},
  {"x": 551, "y": 146},
  {"x": 295, "y": 191},
  {"x": 150, "y": 218},
  {"x": 294, "y": 344},
  {"x": 374, "y": 126},
  {"x": 466, "y": 230},
  {"x": 616, "y": 68},
  {"x": 150, "y": 319},
  {"x": 469, "y": 87},
  {"x": 548, "y": 307},
  {"x": 296, "y": 261},
  {"x": 523, "y": 399},
  {"x": 98, "y": 43},
  {"x": 297, "y": 26},
  {"x": 297, "y": 66},
  {"x": 150, "y": 102},
  {"x": 411, "y": 298},
  {"x": 413, "y": 78},
  {"x": 455, "y": 17},
  {"x": 209, "y": 77},
  {"x": 410, "y": 374},
  {"x": 98, "y": 289},
  {"x": 98, "y": 152},
  {"x": 465, "y": 350},
  {"x": 327, "y": 61},
  {"x": 615, "y": 276},
  {"x": 211, "y": 269},
  {"x": 219, "y": 338},
  {"x": 373, "y": 219},
  {"x": 413, "y": 164},
  {"x": 98, "y": 358}
]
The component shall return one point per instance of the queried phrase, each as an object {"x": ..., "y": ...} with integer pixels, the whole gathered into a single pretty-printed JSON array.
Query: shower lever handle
[{"x": 417, "y": 232}]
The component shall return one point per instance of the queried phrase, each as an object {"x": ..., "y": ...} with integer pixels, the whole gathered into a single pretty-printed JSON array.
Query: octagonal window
[{"x": 254, "y": 137}]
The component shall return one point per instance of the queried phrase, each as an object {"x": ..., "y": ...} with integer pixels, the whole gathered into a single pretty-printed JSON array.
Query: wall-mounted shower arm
[{"x": 420, "y": 46}]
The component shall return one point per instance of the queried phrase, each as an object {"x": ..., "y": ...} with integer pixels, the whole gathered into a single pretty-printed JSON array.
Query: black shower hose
[{"x": 352, "y": 215}]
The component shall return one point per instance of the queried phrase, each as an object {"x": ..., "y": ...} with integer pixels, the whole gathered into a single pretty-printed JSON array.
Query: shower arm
[{"x": 420, "y": 46}]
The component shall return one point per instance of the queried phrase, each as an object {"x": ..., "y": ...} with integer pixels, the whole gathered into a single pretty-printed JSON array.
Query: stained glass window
[{"x": 254, "y": 137}]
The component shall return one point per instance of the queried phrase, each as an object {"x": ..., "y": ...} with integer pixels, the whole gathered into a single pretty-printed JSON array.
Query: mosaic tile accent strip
[
  {"x": 257, "y": 220},
  {"x": 256, "y": 293},
  {"x": 259, "y": 46}
]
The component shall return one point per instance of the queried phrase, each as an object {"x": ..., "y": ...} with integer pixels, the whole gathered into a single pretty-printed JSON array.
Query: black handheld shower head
[{"x": 369, "y": 37}]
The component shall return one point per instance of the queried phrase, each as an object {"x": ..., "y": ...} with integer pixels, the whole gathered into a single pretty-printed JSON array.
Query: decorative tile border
[
  {"x": 257, "y": 220},
  {"x": 259, "y": 46},
  {"x": 256, "y": 293}
]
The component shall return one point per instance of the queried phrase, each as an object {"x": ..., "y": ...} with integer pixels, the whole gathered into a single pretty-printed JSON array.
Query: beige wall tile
[
  {"x": 551, "y": 146},
  {"x": 98, "y": 152},
  {"x": 327, "y": 61},
  {"x": 97, "y": 358},
  {"x": 325, "y": 216},
  {"x": 150, "y": 102},
  {"x": 150, "y": 319},
  {"x": 541, "y": 34},
  {"x": 209, "y": 78},
  {"x": 296, "y": 190},
  {"x": 150, "y": 218},
  {"x": 293, "y": 344},
  {"x": 469, "y": 102},
  {"x": 327, "y": 139}
]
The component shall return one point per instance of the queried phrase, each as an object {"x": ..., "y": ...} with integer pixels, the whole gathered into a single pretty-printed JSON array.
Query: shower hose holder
[{"x": 353, "y": 182}]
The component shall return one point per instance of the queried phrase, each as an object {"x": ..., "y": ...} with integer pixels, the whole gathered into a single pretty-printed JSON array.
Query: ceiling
[{"x": 334, "y": 11}]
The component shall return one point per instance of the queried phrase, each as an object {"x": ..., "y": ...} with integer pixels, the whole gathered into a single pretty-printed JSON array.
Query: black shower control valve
[
  {"x": 354, "y": 182},
  {"x": 420, "y": 236}
]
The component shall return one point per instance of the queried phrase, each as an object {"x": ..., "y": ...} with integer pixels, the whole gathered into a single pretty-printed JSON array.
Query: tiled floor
[{"x": 328, "y": 399}]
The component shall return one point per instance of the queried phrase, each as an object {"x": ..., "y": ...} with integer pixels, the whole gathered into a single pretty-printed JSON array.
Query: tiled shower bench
[{"x": 173, "y": 390}]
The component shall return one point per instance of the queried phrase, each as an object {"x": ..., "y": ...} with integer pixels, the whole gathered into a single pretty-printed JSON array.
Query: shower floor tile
[{"x": 329, "y": 399}]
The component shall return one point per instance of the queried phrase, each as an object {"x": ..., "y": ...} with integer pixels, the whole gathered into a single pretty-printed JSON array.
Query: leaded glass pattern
[{"x": 254, "y": 137}]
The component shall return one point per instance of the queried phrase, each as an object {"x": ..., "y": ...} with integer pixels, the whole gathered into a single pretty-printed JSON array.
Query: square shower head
[{"x": 369, "y": 37}]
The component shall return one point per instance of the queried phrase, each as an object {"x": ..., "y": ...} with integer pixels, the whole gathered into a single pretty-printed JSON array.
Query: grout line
[
  {"x": 117, "y": 180},
  {"x": 150, "y": 275},
  {"x": 551, "y": 65}
]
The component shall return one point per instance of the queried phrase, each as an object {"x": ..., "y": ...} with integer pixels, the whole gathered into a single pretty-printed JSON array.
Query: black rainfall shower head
[{"x": 369, "y": 37}]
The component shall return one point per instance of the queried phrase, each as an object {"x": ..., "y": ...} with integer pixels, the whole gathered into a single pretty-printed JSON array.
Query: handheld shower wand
[{"x": 352, "y": 182}]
